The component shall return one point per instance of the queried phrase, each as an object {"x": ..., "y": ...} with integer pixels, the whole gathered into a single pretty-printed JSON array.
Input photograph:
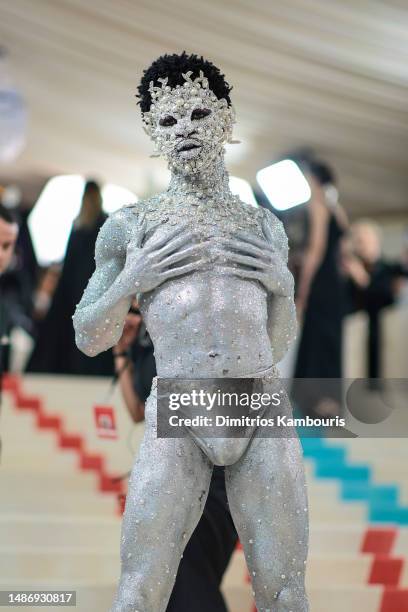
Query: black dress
[
  {"x": 320, "y": 348},
  {"x": 55, "y": 349}
]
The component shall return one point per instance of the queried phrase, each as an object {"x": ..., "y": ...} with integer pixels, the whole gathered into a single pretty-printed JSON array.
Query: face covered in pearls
[{"x": 188, "y": 124}]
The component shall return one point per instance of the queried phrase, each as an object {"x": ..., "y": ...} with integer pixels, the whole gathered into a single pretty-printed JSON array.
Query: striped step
[
  {"x": 92, "y": 564},
  {"x": 61, "y": 531},
  {"x": 350, "y": 482},
  {"x": 65, "y": 530}
]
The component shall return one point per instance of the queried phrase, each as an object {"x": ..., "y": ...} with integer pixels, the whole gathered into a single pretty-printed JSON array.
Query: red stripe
[
  {"x": 66, "y": 440},
  {"x": 386, "y": 570},
  {"x": 394, "y": 600},
  {"x": 379, "y": 541}
]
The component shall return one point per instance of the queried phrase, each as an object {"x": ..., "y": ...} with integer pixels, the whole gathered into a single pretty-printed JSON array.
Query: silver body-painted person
[{"x": 217, "y": 298}]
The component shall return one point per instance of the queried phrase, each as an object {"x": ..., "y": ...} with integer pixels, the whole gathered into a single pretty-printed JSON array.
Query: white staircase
[{"x": 59, "y": 531}]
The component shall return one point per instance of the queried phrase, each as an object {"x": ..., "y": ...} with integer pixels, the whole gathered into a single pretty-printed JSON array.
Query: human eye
[
  {"x": 200, "y": 113},
  {"x": 167, "y": 121}
]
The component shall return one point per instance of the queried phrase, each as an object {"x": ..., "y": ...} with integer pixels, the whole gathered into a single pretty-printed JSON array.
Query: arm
[
  {"x": 282, "y": 322},
  {"x": 99, "y": 317},
  {"x": 124, "y": 268},
  {"x": 356, "y": 271}
]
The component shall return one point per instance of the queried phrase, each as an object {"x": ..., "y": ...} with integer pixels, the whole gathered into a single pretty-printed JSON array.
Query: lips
[{"x": 188, "y": 145}]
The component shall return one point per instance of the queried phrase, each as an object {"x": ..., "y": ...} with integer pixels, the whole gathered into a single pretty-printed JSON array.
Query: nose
[
  {"x": 186, "y": 133},
  {"x": 185, "y": 129}
]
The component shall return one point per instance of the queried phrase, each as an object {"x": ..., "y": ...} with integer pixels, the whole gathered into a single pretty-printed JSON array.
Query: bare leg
[
  {"x": 167, "y": 493},
  {"x": 268, "y": 502}
]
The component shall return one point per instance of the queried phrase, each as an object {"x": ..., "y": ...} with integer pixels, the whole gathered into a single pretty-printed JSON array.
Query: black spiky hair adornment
[{"x": 173, "y": 66}]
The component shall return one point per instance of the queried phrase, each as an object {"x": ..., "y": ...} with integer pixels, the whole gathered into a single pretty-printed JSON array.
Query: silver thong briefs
[{"x": 221, "y": 447}]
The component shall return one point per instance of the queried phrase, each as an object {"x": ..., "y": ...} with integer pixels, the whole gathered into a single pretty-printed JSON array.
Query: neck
[{"x": 212, "y": 179}]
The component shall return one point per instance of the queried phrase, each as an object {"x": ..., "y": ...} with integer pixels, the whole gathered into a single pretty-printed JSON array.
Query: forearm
[{"x": 98, "y": 324}]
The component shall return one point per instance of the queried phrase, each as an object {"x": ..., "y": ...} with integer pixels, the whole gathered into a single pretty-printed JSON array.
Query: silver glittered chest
[{"x": 208, "y": 216}]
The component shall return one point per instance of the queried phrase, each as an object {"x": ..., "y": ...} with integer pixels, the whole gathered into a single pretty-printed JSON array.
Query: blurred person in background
[
  {"x": 373, "y": 284},
  {"x": 403, "y": 294},
  {"x": 208, "y": 553},
  {"x": 8, "y": 238},
  {"x": 320, "y": 299},
  {"x": 55, "y": 350},
  {"x": 44, "y": 291},
  {"x": 15, "y": 294}
]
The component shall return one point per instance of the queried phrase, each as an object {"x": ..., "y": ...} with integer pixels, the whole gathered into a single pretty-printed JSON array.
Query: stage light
[
  {"x": 243, "y": 189},
  {"x": 50, "y": 221},
  {"x": 115, "y": 196},
  {"x": 284, "y": 184}
]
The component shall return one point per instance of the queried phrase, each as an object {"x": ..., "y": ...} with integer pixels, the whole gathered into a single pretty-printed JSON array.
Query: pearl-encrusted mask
[{"x": 188, "y": 123}]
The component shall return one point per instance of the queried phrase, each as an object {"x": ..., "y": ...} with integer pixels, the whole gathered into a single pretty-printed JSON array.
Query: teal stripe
[{"x": 356, "y": 481}]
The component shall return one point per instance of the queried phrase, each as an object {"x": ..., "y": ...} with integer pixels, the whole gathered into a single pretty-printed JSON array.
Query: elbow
[
  {"x": 92, "y": 344},
  {"x": 89, "y": 351},
  {"x": 137, "y": 412},
  {"x": 91, "y": 339},
  {"x": 85, "y": 345},
  {"x": 83, "y": 340}
]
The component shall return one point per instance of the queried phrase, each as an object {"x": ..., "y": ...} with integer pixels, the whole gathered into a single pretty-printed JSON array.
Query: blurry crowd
[
  {"x": 339, "y": 268},
  {"x": 37, "y": 329}
]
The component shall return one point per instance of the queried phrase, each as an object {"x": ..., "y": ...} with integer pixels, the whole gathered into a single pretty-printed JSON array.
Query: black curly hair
[{"x": 172, "y": 67}]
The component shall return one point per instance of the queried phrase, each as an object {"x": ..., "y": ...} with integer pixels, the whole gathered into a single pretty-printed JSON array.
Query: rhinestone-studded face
[{"x": 188, "y": 123}]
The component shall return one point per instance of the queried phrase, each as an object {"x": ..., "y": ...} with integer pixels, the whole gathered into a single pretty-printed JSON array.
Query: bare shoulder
[
  {"x": 118, "y": 230},
  {"x": 275, "y": 231}
]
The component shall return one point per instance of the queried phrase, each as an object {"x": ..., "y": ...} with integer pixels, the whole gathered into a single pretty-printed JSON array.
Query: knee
[
  {"x": 292, "y": 597},
  {"x": 128, "y": 596},
  {"x": 280, "y": 594}
]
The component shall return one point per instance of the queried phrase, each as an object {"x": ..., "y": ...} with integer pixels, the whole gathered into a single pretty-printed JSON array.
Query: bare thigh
[
  {"x": 267, "y": 495},
  {"x": 167, "y": 493}
]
